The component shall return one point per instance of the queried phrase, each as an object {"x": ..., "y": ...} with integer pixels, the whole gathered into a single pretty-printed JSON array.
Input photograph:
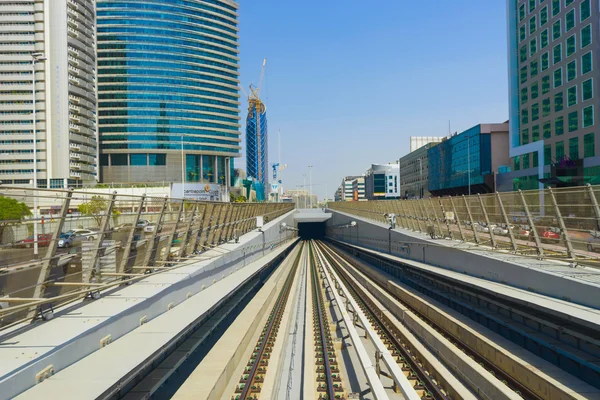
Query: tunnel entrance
[{"x": 311, "y": 230}]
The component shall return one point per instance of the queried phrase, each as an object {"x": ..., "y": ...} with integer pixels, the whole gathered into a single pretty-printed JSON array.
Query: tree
[
  {"x": 94, "y": 208},
  {"x": 11, "y": 212}
]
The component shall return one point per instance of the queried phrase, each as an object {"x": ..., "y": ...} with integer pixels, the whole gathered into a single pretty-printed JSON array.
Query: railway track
[
  {"x": 511, "y": 382},
  {"x": 329, "y": 383},
  {"x": 250, "y": 383}
]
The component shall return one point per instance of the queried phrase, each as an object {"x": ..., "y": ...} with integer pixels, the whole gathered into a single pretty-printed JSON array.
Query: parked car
[
  {"x": 74, "y": 237},
  {"x": 151, "y": 227},
  {"x": 142, "y": 223},
  {"x": 480, "y": 227},
  {"x": 43, "y": 241},
  {"x": 522, "y": 232},
  {"x": 551, "y": 235},
  {"x": 501, "y": 230},
  {"x": 121, "y": 227},
  {"x": 594, "y": 241}
]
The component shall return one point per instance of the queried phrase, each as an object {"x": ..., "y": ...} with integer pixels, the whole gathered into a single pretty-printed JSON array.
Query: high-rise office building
[
  {"x": 257, "y": 146},
  {"x": 56, "y": 39},
  {"x": 554, "y": 82},
  {"x": 168, "y": 97}
]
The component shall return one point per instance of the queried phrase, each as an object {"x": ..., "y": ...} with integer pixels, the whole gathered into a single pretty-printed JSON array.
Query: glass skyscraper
[
  {"x": 257, "y": 157},
  {"x": 168, "y": 77},
  {"x": 553, "y": 90}
]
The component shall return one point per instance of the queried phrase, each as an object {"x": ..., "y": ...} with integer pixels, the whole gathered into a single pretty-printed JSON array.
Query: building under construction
[{"x": 257, "y": 157}]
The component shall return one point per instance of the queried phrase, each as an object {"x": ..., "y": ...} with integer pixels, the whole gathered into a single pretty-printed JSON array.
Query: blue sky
[{"x": 348, "y": 82}]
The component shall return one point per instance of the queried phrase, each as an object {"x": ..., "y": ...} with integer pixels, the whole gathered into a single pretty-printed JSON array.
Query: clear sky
[{"x": 348, "y": 81}]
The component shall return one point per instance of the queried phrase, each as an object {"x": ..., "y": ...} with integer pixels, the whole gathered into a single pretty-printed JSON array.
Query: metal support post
[
  {"x": 425, "y": 213},
  {"x": 538, "y": 243},
  {"x": 50, "y": 261},
  {"x": 487, "y": 220},
  {"x": 129, "y": 243},
  {"x": 150, "y": 256},
  {"x": 232, "y": 221},
  {"x": 445, "y": 218},
  {"x": 188, "y": 232},
  {"x": 462, "y": 234},
  {"x": 475, "y": 232},
  {"x": 505, "y": 216},
  {"x": 173, "y": 234},
  {"x": 417, "y": 214},
  {"x": 594, "y": 200},
  {"x": 220, "y": 223},
  {"x": 213, "y": 219},
  {"x": 437, "y": 220},
  {"x": 561, "y": 223},
  {"x": 98, "y": 250},
  {"x": 226, "y": 221},
  {"x": 241, "y": 227},
  {"x": 412, "y": 216},
  {"x": 198, "y": 232}
]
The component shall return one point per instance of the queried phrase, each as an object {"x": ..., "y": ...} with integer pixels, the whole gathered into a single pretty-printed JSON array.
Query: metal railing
[
  {"x": 87, "y": 242},
  {"x": 559, "y": 223}
]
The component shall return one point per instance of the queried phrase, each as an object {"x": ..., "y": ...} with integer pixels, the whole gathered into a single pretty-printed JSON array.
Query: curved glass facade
[{"x": 168, "y": 85}]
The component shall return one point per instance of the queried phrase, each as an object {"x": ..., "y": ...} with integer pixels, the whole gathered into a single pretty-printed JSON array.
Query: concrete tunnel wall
[{"x": 378, "y": 236}]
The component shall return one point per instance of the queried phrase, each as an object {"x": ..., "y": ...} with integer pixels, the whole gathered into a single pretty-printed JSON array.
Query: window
[
  {"x": 544, "y": 16},
  {"x": 588, "y": 116},
  {"x": 571, "y": 96},
  {"x": 586, "y": 63},
  {"x": 524, "y": 136},
  {"x": 532, "y": 25},
  {"x": 555, "y": 8},
  {"x": 523, "y": 54},
  {"x": 547, "y": 130},
  {"x": 524, "y": 116},
  {"x": 573, "y": 121},
  {"x": 568, "y": 3},
  {"x": 157, "y": 159},
  {"x": 587, "y": 90},
  {"x": 589, "y": 148},
  {"x": 585, "y": 9},
  {"x": 531, "y": 5},
  {"x": 545, "y": 59},
  {"x": 533, "y": 68},
  {"x": 560, "y": 150},
  {"x": 524, "y": 74},
  {"x": 103, "y": 159},
  {"x": 570, "y": 20},
  {"x": 535, "y": 112},
  {"x": 533, "y": 46},
  {"x": 558, "y": 102},
  {"x": 522, "y": 32},
  {"x": 524, "y": 95},
  {"x": 545, "y": 85},
  {"x": 546, "y": 107},
  {"x": 556, "y": 30},
  {"x": 118, "y": 159},
  {"x": 544, "y": 38},
  {"x": 535, "y": 159},
  {"x": 138, "y": 159},
  {"x": 557, "y": 53},
  {"x": 586, "y": 36},
  {"x": 559, "y": 126},
  {"x": 574, "y": 148},
  {"x": 535, "y": 133},
  {"x": 534, "y": 90},
  {"x": 557, "y": 77},
  {"x": 521, "y": 12},
  {"x": 517, "y": 163},
  {"x": 547, "y": 154},
  {"x": 525, "y": 161},
  {"x": 571, "y": 45},
  {"x": 571, "y": 70}
]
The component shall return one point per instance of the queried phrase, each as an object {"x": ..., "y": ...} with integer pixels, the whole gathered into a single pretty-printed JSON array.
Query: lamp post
[
  {"x": 304, "y": 190},
  {"x": 34, "y": 58},
  {"x": 420, "y": 177},
  {"x": 310, "y": 185}
]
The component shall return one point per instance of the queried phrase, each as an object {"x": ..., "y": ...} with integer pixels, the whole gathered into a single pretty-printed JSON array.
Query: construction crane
[{"x": 256, "y": 109}]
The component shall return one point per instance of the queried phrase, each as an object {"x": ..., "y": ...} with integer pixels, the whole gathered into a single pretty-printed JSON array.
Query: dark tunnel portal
[{"x": 311, "y": 230}]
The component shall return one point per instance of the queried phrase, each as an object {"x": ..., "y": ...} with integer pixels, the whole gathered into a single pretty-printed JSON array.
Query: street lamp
[
  {"x": 420, "y": 177},
  {"x": 310, "y": 185},
  {"x": 34, "y": 58}
]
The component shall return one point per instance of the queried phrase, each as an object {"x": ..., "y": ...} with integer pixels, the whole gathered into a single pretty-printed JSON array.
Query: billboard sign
[{"x": 198, "y": 191}]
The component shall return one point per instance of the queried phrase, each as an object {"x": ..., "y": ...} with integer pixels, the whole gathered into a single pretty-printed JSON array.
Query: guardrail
[
  {"x": 87, "y": 242},
  {"x": 559, "y": 223}
]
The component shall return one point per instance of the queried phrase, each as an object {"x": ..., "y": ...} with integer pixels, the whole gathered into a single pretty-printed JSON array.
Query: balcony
[
  {"x": 73, "y": 60},
  {"x": 75, "y": 165},
  {"x": 73, "y": 50},
  {"x": 75, "y": 70},
  {"x": 75, "y": 127},
  {"x": 74, "y": 107},
  {"x": 73, "y": 79},
  {"x": 75, "y": 155},
  {"x": 72, "y": 22},
  {"x": 75, "y": 174},
  {"x": 74, "y": 98},
  {"x": 74, "y": 117},
  {"x": 74, "y": 146},
  {"x": 73, "y": 32}
]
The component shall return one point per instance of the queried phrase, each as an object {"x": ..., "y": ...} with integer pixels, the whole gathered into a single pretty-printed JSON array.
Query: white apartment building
[{"x": 57, "y": 39}]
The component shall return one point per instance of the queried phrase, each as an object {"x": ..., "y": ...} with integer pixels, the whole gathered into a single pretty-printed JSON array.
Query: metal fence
[
  {"x": 551, "y": 223},
  {"x": 87, "y": 242}
]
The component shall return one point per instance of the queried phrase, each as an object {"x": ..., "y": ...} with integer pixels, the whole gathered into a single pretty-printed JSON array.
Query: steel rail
[{"x": 317, "y": 298}]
